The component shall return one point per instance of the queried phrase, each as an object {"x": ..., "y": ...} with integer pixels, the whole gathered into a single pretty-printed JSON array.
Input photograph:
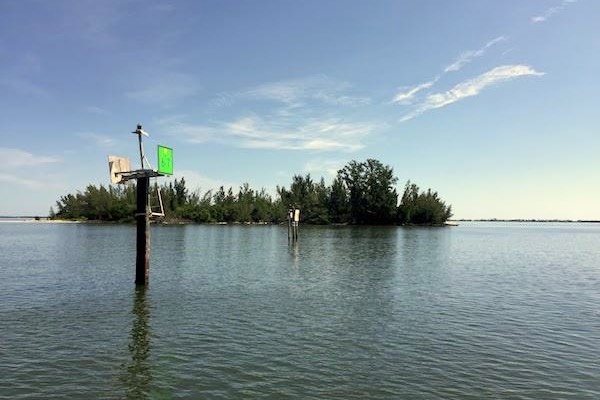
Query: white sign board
[{"x": 116, "y": 165}]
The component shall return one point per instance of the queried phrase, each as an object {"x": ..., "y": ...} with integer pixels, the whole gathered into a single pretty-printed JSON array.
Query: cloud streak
[
  {"x": 100, "y": 140},
  {"x": 305, "y": 114},
  {"x": 327, "y": 168},
  {"x": 471, "y": 87},
  {"x": 197, "y": 181},
  {"x": 543, "y": 17},
  {"x": 468, "y": 56},
  {"x": 257, "y": 133},
  {"x": 16, "y": 158},
  {"x": 407, "y": 95},
  {"x": 28, "y": 183},
  {"x": 297, "y": 93}
]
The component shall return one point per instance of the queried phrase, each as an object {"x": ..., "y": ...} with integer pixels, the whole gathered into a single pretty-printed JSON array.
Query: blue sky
[{"x": 494, "y": 104}]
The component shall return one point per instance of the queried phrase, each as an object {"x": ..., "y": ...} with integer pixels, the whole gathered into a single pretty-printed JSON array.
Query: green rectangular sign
[{"x": 165, "y": 160}]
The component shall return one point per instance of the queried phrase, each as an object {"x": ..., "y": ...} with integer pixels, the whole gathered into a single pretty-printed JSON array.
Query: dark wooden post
[
  {"x": 289, "y": 221},
  {"x": 142, "y": 260}
]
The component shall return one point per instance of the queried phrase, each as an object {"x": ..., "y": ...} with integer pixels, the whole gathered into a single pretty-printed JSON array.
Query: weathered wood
[{"x": 142, "y": 215}]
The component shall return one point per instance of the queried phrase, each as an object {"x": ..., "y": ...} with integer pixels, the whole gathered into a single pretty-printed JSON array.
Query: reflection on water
[
  {"x": 294, "y": 250},
  {"x": 138, "y": 374},
  {"x": 474, "y": 312}
]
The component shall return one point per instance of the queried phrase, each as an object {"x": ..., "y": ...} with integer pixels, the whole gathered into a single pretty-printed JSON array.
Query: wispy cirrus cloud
[
  {"x": 296, "y": 114},
  {"x": 298, "y": 93},
  {"x": 468, "y": 56},
  {"x": 471, "y": 87},
  {"x": 406, "y": 95},
  {"x": 200, "y": 182},
  {"x": 258, "y": 133},
  {"x": 100, "y": 140},
  {"x": 27, "y": 182},
  {"x": 17, "y": 158},
  {"x": 327, "y": 168},
  {"x": 543, "y": 17}
]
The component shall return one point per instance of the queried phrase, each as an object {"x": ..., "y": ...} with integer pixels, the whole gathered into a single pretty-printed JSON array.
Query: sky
[{"x": 493, "y": 104}]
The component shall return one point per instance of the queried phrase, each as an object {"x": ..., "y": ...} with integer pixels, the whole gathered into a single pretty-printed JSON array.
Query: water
[{"x": 477, "y": 311}]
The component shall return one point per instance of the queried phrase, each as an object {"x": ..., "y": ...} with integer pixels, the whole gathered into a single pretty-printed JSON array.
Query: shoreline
[{"x": 449, "y": 223}]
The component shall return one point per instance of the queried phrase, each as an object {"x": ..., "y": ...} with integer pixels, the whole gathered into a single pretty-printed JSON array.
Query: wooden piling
[
  {"x": 142, "y": 215},
  {"x": 289, "y": 223},
  {"x": 293, "y": 218}
]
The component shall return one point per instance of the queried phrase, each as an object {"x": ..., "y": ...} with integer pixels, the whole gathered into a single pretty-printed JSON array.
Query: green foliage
[
  {"x": 98, "y": 203},
  {"x": 361, "y": 193},
  {"x": 422, "y": 208},
  {"x": 372, "y": 195},
  {"x": 338, "y": 203},
  {"x": 309, "y": 197}
]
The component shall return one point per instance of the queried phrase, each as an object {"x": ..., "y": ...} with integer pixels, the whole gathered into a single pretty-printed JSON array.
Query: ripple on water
[{"x": 478, "y": 311}]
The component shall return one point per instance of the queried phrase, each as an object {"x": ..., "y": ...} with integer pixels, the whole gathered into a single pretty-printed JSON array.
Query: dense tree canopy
[
  {"x": 361, "y": 193},
  {"x": 372, "y": 195},
  {"x": 422, "y": 207}
]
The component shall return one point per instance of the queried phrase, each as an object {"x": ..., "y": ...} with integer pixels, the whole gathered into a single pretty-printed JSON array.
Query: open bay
[{"x": 482, "y": 310}]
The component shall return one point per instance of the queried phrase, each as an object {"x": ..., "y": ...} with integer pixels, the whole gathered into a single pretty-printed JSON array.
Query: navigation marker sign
[{"x": 165, "y": 160}]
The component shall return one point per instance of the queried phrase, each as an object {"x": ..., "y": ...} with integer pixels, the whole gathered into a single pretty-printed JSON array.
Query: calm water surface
[{"x": 478, "y": 311}]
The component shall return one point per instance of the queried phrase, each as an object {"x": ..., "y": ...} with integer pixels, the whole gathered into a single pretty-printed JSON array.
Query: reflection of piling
[
  {"x": 138, "y": 376},
  {"x": 295, "y": 230},
  {"x": 142, "y": 215}
]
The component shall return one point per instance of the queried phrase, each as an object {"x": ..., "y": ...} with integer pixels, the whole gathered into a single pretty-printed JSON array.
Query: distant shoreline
[
  {"x": 46, "y": 220},
  {"x": 569, "y": 221},
  {"x": 39, "y": 220}
]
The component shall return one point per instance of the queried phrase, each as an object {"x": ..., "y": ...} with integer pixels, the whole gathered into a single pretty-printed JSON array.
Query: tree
[
  {"x": 338, "y": 204},
  {"x": 181, "y": 193},
  {"x": 309, "y": 197},
  {"x": 372, "y": 196},
  {"x": 425, "y": 208},
  {"x": 362, "y": 193}
]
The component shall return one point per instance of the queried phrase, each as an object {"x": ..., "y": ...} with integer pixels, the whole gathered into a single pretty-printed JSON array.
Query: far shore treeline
[{"x": 363, "y": 193}]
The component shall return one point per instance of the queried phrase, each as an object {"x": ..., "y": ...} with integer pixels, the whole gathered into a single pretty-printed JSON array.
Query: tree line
[{"x": 362, "y": 193}]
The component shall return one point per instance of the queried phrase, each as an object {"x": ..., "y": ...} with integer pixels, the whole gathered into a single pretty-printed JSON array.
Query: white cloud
[
  {"x": 295, "y": 115},
  {"x": 28, "y": 183},
  {"x": 192, "y": 133},
  {"x": 100, "y": 140},
  {"x": 255, "y": 132},
  {"x": 326, "y": 168},
  {"x": 472, "y": 87},
  {"x": 16, "y": 158},
  {"x": 313, "y": 135},
  {"x": 297, "y": 92},
  {"x": 468, "y": 56},
  {"x": 407, "y": 94},
  {"x": 195, "y": 181},
  {"x": 543, "y": 17}
]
